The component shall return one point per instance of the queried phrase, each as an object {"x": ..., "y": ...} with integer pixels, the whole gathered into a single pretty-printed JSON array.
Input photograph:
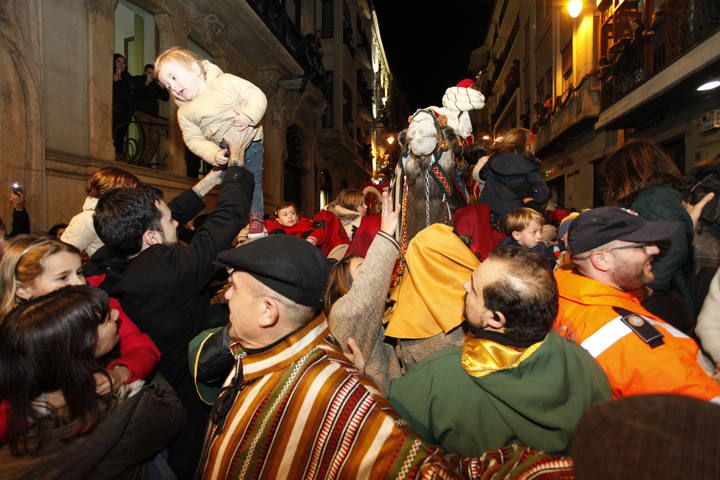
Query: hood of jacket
[
  {"x": 212, "y": 72},
  {"x": 512, "y": 164},
  {"x": 344, "y": 214},
  {"x": 559, "y": 381}
]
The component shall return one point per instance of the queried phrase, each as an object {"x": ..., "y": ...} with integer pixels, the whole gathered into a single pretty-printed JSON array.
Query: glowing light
[
  {"x": 390, "y": 140},
  {"x": 709, "y": 86},
  {"x": 486, "y": 137},
  {"x": 574, "y": 7}
]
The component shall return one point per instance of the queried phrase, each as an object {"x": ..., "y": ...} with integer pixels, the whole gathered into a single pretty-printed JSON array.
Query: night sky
[{"x": 428, "y": 43}]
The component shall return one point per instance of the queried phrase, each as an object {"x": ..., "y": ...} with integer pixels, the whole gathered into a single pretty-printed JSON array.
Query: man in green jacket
[{"x": 514, "y": 380}]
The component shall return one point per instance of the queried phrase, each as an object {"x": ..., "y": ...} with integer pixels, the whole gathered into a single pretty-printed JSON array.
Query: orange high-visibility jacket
[{"x": 587, "y": 316}]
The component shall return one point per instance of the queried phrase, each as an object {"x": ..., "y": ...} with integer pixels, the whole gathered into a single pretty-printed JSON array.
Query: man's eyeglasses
[{"x": 644, "y": 246}]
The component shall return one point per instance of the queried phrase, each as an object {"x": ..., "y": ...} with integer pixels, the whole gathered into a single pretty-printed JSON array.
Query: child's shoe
[{"x": 257, "y": 228}]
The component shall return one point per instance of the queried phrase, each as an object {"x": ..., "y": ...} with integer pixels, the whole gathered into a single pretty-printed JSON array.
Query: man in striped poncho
[{"x": 294, "y": 406}]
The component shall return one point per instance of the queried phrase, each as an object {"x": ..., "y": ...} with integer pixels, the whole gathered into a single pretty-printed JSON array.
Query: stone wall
[{"x": 56, "y": 97}]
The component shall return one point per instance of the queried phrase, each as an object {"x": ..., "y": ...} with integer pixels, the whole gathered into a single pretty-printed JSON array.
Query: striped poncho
[{"x": 303, "y": 411}]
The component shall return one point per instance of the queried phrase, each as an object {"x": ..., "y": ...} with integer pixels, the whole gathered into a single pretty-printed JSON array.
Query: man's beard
[{"x": 629, "y": 279}]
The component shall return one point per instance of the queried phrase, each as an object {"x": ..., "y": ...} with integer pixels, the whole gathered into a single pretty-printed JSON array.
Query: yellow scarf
[{"x": 482, "y": 356}]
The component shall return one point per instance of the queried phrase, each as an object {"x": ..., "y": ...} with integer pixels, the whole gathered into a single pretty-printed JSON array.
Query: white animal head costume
[{"x": 457, "y": 102}]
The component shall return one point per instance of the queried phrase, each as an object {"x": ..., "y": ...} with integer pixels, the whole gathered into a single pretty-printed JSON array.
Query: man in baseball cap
[{"x": 612, "y": 251}]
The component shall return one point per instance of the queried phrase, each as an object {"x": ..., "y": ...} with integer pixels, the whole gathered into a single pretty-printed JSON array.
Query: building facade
[
  {"x": 619, "y": 70},
  {"x": 311, "y": 58}
]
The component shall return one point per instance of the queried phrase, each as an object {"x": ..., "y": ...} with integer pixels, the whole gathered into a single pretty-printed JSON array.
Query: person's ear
[
  {"x": 516, "y": 235},
  {"x": 270, "y": 314},
  {"x": 23, "y": 291},
  {"x": 600, "y": 261},
  {"x": 151, "y": 237},
  {"x": 497, "y": 322}
]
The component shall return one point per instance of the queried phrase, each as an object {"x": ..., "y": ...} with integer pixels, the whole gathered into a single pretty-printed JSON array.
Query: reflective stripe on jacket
[{"x": 587, "y": 315}]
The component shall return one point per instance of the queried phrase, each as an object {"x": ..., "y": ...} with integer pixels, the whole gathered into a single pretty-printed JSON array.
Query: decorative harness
[{"x": 433, "y": 171}]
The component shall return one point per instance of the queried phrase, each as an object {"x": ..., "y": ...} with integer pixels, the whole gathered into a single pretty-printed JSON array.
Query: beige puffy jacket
[{"x": 205, "y": 120}]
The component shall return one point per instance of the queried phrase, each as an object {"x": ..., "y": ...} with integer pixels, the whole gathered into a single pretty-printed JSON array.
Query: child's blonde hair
[
  {"x": 518, "y": 220},
  {"x": 22, "y": 261},
  {"x": 180, "y": 55}
]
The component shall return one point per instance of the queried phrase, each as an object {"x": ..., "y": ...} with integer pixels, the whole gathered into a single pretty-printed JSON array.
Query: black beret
[{"x": 292, "y": 267}]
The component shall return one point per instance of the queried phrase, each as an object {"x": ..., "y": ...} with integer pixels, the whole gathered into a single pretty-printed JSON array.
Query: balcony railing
[
  {"x": 304, "y": 49},
  {"x": 635, "y": 52},
  {"x": 571, "y": 108}
]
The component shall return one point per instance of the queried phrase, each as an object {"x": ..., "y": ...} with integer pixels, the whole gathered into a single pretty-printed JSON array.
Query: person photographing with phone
[{"x": 20, "y": 217}]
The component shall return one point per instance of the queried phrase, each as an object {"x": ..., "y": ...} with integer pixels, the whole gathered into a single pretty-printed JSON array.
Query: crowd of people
[{"x": 508, "y": 342}]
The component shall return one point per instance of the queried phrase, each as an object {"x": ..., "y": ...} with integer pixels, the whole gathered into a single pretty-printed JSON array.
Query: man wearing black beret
[
  {"x": 293, "y": 405},
  {"x": 612, "y": 250}
]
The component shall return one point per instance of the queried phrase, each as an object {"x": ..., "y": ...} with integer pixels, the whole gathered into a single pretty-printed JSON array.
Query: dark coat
[
  {"x": 163, "y": 288},
  {"x": 145, "y": 97},
  {"x": 663, "y": 202},
  {"x": 122, "y": 96},
  {"x": 509, "y": 178},
  {"x": 20, "y": 223},
  {"x": 122, "y": 443}
]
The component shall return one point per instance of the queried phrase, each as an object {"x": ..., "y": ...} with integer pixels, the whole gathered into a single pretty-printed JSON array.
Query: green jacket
[
  {"x": 537, "y": 403},
  {"x": 664, "y": 203}
]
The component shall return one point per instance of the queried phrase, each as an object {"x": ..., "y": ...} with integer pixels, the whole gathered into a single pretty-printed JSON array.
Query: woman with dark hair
[
  {"x": 512, "y": 176},
  {"x": 642, "y": 177},
  {"x": 122, "y": 102},
  {"x": 53, "y": 421}
]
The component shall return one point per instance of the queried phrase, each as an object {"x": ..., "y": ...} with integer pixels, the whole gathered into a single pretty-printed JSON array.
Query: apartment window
[
  {"x": 328, "y": 19},
  {"x": 326, "y": 187},
  {"x": 567, "y": 65},
  {"x": 294, "y": 11},
  {"x": 540, "y": 90},
  {"x": 347, "y": 109},
  {"x": 549, "y": 83},
  {"x": 328, "y": 119}
]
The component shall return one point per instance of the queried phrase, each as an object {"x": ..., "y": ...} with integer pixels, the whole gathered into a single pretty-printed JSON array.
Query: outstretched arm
[{"x": 358, "y": 314}]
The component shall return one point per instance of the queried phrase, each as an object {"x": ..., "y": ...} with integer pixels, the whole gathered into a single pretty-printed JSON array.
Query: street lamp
[
  {"x": 574, "y": 7},
  {"x": 711, "y": 85}
]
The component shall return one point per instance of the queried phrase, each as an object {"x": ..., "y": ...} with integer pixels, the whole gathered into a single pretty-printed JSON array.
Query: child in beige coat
[{"x": 214, "y": 107}]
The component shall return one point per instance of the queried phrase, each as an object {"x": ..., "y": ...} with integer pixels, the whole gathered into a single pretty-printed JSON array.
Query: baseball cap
[{"x": 602, "y": 225}]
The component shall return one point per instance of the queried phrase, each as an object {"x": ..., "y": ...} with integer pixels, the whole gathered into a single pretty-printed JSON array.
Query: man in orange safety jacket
[{"x": 612, "y": 250}]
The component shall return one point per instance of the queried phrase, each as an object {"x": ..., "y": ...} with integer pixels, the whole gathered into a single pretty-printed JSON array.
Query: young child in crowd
[
  {"x": 523, "y": 227},
  {"x": 288, "y": 221},
  {"x": 324, "y": 230},
  {"x": 512, "y": 176},
  {"x": 214, "y": 107}
]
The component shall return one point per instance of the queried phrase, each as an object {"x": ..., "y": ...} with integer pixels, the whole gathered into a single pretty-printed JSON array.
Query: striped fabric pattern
[{"x": 306, "y": 412}]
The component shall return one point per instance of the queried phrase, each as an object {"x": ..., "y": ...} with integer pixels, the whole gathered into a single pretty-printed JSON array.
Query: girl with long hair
[
  {"x": 34, "y": 266},
  {"x": 54, "y": 423},
  {"x": 642, "y": 177}
]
